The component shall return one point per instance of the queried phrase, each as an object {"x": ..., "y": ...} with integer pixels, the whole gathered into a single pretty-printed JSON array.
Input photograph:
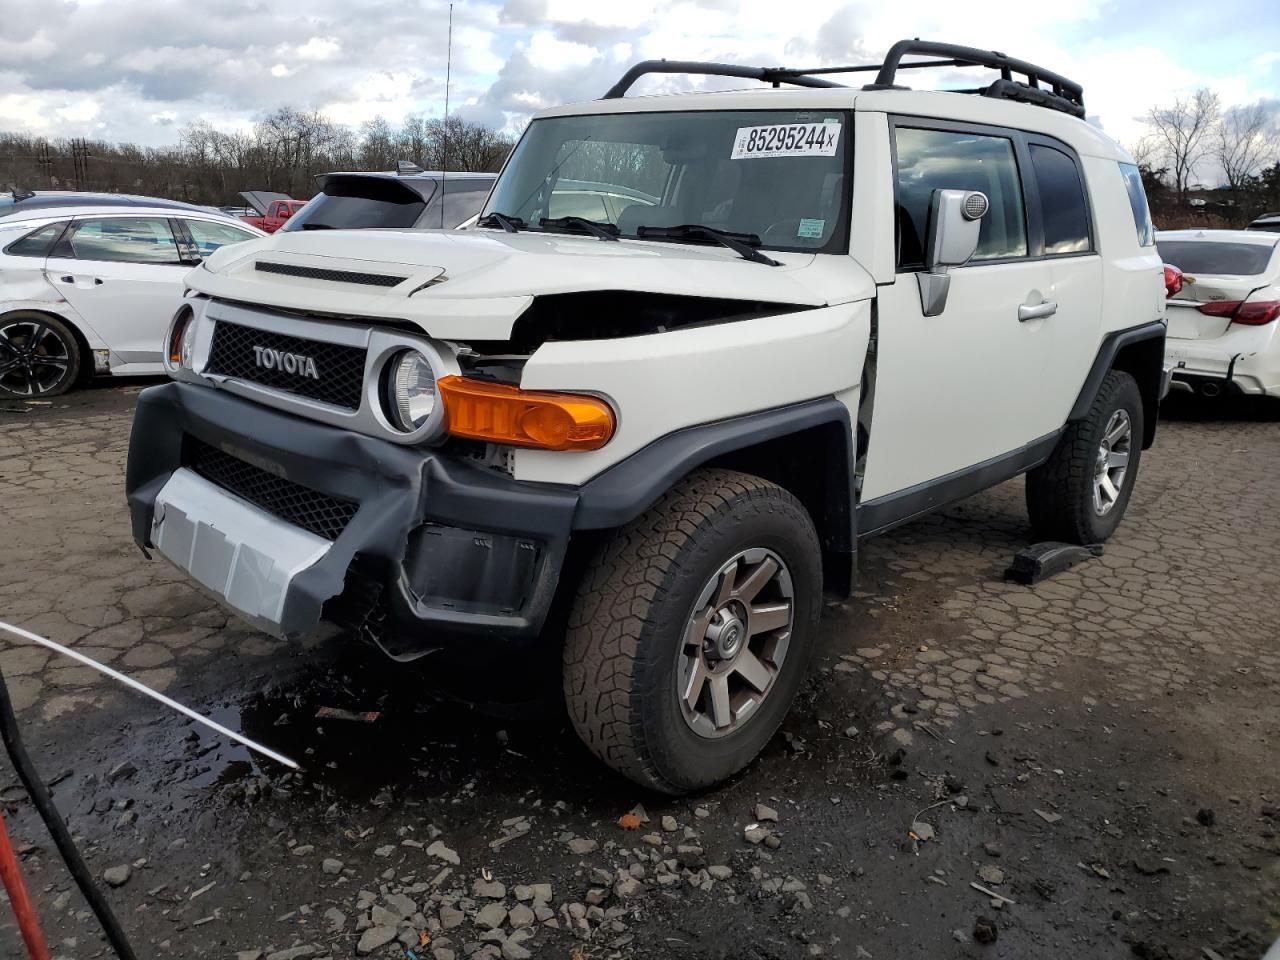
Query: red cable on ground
[{"x": 28, "y": 923}]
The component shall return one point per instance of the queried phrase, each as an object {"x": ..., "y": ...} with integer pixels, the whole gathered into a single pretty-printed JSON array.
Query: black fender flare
[
  {"x": 1146, "y": 366},
  {"x": 630, "y": 487}
]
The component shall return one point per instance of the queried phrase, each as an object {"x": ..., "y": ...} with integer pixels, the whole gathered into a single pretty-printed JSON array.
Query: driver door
[{"x": 958, "y": 396}]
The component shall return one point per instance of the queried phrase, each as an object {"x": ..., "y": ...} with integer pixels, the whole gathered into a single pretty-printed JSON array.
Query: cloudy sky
[{"x": 137, "y": 70}]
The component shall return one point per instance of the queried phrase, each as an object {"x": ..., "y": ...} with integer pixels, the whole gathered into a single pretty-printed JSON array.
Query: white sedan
[
  {"x": 89, "y": 282},
  {"x": 1223, "y": 323}
]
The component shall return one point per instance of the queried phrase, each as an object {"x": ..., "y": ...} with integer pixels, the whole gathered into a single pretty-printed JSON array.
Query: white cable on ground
[{"x": 147, "y": 691}]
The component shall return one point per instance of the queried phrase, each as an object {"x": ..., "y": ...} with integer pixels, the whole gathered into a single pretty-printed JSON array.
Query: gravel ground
[{"x": 1097, "y": 753}]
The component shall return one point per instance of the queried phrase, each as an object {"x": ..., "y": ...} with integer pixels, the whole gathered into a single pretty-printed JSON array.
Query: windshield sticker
[
  {"x": 811, "y": 228},
  {"x": 786, "y": 140}
]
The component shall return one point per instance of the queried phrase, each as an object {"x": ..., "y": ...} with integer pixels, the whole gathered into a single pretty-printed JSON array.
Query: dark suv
[{"x": 408, "y": 197}]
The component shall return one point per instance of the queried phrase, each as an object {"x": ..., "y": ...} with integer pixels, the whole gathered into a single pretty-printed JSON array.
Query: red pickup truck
[{"x": 271, "y": 210}]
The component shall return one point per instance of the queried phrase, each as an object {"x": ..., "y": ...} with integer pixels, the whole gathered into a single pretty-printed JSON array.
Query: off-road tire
[
  {"x": 630, "y": 614},
  {"x": 1060, "y": 491},
  {"x": 69, "y": 342}
]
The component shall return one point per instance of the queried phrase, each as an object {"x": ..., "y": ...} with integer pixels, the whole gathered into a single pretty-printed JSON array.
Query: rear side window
[
  {"x": 38, "y": 243},
  {"x": 125, "y": 240},
  {"x": 209, "y": 236},
  {"x": 356, "y": 203},
  {"x": 930, "y": 160},
  {"x": 1062, "y": 203},
  {"x": 462, "y": 200},
  {"x": 1138, "y": 204},
  {"x": 1214, "y": 257}
]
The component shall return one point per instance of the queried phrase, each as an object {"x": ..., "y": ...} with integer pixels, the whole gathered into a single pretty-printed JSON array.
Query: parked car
[
  {"x": 89, "y": 282},
  {"x": 1223, "y": 322},
  {"x": 1268, "y": 222},
  {"x": 668, "y": 427},
  {"x": 407, "y": 197},
  {"x": 270, "y": 210}
]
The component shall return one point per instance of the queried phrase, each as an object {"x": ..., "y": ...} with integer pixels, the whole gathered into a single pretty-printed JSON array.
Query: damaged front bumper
[{"x": 292, "y": 522}]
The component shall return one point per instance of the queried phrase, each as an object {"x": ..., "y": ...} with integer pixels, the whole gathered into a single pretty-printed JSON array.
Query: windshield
[
  {"x": 779, "y": 175},
  {"x": 1215, "y": 257}
]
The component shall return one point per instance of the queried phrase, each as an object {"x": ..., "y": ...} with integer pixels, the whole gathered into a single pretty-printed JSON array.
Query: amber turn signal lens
[
  {"x": 178, "y": 339},
  {"x": 498, "y": 413}
]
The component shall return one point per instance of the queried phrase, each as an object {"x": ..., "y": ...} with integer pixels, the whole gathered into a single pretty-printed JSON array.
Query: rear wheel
[
  {"x": 39, "y": 356},
  {"x": 692, "y": 631},
  {"x": 1080, "y": 494}
]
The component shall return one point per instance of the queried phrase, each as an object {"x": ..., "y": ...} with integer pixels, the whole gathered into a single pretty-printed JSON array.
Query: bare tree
[
  {"x": 284, "y": 151},
  {"x": 1182, "y": 133},
  {"x": 1244, "y": 142}
]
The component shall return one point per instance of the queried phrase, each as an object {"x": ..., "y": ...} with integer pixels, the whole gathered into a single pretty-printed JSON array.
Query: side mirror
[{"x": 955, "y": 220}]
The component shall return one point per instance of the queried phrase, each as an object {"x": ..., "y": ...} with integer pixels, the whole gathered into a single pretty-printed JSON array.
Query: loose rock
[
  {"x": 985, "y": 930},
  {"x": 375, "y": 938},
  {"x": 441, "y": 852},
  {"x": 491, "y": 917}
]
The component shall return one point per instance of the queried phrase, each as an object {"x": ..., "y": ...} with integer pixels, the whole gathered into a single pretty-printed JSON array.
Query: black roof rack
[{"x": 1057, "y": 92}]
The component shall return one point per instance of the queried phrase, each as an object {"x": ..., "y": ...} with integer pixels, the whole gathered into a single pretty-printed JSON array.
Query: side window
[
  {"x": 125, "y": 240},
  {"x": 462, "y": 205},
  {"x": 38, "y": 243},
  {"x": 1138, "y": 204},
  {"x": 210, "y": 236},
  {"x": 1062, "y": 203},
  {"x": 931, "y": 160}
]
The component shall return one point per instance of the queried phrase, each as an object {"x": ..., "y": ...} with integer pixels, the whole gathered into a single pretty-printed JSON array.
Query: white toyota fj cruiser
[{"x": 641, "y": 415}]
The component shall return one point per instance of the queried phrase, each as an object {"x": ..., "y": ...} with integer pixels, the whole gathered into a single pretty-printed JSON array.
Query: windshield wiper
[
  {"x": 742, "y": 244},
  {"x": 605, "y": 231},
  {"x": 317, "y": 226},
  {"x": 508, "y": 224}
]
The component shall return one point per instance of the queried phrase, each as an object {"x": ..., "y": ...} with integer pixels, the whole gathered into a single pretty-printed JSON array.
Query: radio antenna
[{"x": 448, "y": 76}]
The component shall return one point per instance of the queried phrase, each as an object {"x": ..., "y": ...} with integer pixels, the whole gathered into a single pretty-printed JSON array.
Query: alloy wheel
[
  {"x": 1112, "y": 462},
  {"x": 34, "y": 358},
  {"x": 735, "y": 643}
]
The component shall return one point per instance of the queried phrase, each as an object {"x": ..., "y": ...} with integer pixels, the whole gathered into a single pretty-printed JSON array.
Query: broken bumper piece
[{"x": 292, "y": 523}]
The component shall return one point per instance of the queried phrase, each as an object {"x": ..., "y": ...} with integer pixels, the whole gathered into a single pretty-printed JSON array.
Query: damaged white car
[
  {"x": 89, "y": 282},
  {"x": 1224, "y": 319},
  {"x": 644, "y": 433}
]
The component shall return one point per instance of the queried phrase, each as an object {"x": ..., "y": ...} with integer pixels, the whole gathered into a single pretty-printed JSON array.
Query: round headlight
[{"x": 411, "y": 390}]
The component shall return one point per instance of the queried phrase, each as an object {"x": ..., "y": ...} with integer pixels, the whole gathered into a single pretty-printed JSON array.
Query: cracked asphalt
[{"x": 1098, "y": 751}]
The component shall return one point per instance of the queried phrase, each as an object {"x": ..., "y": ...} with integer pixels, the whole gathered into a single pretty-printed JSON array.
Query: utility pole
[
  {"x": 45, "y": 158},
  {"x": 80, "y": 161},
  {"x": 444, "y": 159}
]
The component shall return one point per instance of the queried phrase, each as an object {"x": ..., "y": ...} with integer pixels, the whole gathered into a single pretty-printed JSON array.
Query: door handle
[
  {"x": 97, "y": 281},
  {"x": 1046, "y": 308},
  {"x": 68, "y": 279}
]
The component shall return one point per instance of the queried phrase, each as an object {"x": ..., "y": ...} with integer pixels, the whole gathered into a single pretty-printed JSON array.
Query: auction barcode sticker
[{"x": 786, "y": 140}]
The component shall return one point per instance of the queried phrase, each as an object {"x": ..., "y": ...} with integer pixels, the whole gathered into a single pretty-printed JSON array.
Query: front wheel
[
  {"x": 1080, "y": 493},
  {"x": 692, "y": 630},
  {"x": 39, "y": 356}
]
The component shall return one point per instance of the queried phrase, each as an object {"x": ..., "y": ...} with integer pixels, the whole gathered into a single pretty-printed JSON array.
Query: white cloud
[
  {"x": 547, "y": 52},
  {"x": 319, "y": 48}
]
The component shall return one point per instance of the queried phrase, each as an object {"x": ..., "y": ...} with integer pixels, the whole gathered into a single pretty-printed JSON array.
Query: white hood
[{"x": 474, "y": 284}]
